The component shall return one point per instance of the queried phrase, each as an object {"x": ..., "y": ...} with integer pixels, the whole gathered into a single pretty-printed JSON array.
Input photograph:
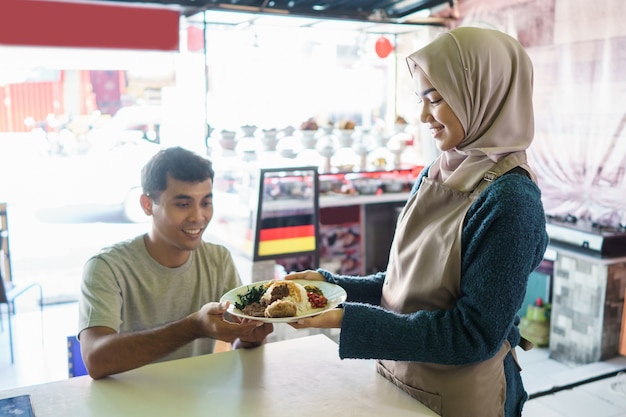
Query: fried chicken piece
[{"x": 281, "y": 308}]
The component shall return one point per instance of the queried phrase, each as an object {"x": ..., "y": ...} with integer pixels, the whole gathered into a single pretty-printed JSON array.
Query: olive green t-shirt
[{"x": 125, "y": 289}]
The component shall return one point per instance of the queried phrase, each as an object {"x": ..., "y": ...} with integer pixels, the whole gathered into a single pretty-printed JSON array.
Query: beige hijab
[{"x": 489, "y": 93}]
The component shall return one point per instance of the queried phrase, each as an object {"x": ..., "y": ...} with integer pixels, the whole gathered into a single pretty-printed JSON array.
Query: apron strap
[
  {"x": 526, "y": 344},
  {"x": 494, "y": 173},
  {"x": 514, "y": 354}
]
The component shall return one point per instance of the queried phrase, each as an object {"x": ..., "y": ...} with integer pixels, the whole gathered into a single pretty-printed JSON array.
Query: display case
[
  {"x": 267, "y": 217},
  {"x": 291, "y": 218},
  {"x": 358, "y": 212},
  {"x": 287, "y": 216}
]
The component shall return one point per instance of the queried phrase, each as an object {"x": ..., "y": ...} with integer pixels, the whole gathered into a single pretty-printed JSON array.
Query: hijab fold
[{"x": 486, "y": 77}]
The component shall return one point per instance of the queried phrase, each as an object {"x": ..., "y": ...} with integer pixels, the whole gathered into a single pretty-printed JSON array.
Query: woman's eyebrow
[{"x": 428, "y": 91}]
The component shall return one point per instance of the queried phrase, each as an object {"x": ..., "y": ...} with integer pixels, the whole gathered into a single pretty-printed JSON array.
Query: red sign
[{"x": 82, "y": 25}]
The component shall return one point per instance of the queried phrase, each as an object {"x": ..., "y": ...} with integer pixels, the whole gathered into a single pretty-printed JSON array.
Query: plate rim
[{"x": 332, "y": 303}]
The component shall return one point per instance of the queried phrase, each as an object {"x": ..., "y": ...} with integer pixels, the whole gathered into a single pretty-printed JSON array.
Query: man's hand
[{"x": 213, "y": 324}]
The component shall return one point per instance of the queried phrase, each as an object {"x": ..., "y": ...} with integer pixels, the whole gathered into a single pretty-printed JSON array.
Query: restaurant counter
[{"x": 297, "y": 377}]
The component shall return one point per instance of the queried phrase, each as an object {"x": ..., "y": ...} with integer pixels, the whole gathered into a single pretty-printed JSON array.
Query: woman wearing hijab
[{"x": 441, "y": 321}]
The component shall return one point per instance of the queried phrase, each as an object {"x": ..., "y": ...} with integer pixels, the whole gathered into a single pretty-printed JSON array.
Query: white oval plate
[{"x": 334, "y": 293}]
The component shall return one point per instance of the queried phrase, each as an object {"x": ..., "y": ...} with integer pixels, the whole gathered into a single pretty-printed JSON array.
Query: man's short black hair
[{"x": 180, "y": 164}]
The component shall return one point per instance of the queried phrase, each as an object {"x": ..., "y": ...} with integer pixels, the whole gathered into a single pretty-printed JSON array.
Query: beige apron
[{"x": 424, "y": 273}]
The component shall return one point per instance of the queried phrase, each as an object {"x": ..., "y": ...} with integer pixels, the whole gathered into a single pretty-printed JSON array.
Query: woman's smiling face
[{"x": 444, "y": 126}]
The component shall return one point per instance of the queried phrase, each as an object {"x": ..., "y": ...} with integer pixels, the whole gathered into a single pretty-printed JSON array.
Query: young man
[{"x": 154, "y": 297}]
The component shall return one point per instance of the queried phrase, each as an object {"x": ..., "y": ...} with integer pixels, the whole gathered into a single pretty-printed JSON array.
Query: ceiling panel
[{"x": 391, "y": 11}]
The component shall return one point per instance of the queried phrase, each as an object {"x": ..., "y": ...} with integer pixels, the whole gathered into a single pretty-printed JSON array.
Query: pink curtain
[
  {"x": 579, "y": 151},
  {"x": 578, "y": 50}
]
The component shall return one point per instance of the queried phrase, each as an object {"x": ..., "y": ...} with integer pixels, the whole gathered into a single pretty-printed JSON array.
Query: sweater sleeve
[
  {"x": 503, "y": 241},
  {"x": 367, "y": 289}
]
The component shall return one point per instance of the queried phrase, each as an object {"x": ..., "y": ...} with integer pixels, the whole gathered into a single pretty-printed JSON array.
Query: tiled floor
[
  {"x": 40, "y": 344},
  {"x": 605, "y": 397},
  {"x": 42, "y": 357}
]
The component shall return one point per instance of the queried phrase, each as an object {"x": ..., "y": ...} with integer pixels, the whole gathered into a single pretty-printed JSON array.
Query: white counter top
[
  {"x": 355, "y": 200},
  {"x": 298, "y": 377},
  {"x": 554, "y": 249}
]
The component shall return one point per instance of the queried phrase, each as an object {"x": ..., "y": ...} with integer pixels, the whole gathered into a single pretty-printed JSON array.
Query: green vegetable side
[
  {"x": 313, "y": 289},
  {"x": 253, "y": 295}
]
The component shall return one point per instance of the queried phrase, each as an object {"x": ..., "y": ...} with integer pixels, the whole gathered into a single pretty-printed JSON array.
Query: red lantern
[{"x": 383, "y": 47}]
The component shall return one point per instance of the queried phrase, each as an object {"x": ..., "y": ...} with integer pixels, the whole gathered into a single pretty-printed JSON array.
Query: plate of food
[{"x": 283, "y": 301}]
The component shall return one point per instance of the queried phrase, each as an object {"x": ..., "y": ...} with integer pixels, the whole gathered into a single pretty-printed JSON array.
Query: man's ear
[{"x": 146, "y": 204}]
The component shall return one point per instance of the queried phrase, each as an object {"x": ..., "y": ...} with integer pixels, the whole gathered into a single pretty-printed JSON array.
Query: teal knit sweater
[{"x": 503, "y": 240}]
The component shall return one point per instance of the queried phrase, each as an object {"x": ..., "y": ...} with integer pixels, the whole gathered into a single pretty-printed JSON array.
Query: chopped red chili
[{"x": 317, "y": 300}]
